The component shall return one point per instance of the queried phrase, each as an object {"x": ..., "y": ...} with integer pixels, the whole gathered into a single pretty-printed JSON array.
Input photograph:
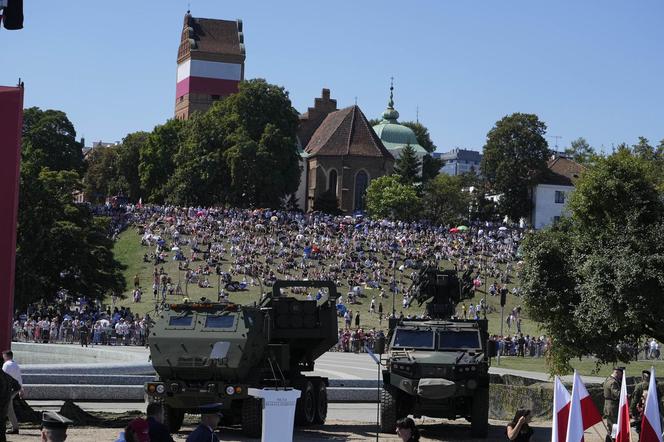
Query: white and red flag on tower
[
  {"x": 561, "y": 403},
  {"x": 651, "y": 427},
  {"x": 624, "y": 433}
]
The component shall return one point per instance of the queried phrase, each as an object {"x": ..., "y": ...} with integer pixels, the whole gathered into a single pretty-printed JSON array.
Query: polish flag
[
  {"x": 624, "y": 431},
  {"x": 561, "y": 403},
  {"x": 575, "y": 423},
  {"x": 651, "y": 428},
  {"x": 589, "y": 411}
]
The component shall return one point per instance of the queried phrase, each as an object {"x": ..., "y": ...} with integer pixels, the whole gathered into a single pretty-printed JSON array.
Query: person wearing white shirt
[{"x": 12, "y": 369}]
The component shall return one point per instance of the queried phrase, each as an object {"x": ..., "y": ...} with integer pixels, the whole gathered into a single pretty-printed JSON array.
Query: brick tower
[{"x": 210, "y": 63}]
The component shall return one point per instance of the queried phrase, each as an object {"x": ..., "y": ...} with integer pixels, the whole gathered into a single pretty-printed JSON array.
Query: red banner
[{"x": 11, "y": 123}]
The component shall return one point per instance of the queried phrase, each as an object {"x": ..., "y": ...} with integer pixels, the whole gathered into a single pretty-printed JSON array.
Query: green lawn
[{"x": 586, "y": 367}]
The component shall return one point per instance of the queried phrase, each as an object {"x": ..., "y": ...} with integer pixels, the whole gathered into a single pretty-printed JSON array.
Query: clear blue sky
[{"x": 587, "y": 68}]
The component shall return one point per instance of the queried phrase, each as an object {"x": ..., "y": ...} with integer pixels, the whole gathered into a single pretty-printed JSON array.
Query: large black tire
[
  {"x": 252, "y": 417},
  {"x": 305, "y": 409},
  {"x": 479, "y": 418},
  {"x": 321, "y": 403},
  {"x": 389, "y": 409},
  {"x": 173, "y": 418}
]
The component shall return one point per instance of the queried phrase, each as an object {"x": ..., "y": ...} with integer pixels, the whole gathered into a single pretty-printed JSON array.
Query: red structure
[{"x": 11, "y": 123}]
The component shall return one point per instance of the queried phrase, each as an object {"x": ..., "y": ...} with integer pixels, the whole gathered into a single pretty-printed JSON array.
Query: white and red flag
[
  {"x": 561, "y": 403},
  {"x": 589, "y": 412},
  {"x": 651, "y": 427},
  {"x": 624, "y": 433},
  {"x": 575, "y": 422}
]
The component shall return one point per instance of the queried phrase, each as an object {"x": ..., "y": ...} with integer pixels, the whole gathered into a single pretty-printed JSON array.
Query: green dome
[
  {"x": 395, "y": 136},
  {"x": 395, "y": 133}
]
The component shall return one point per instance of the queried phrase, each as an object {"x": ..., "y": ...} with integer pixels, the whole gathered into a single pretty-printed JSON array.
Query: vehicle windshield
[
  {"x": 406, "y": 338},
  {"x": 466, "y": 339},
  {"x": 219, "y": 321},
  {"x": 180, "y": 321}
]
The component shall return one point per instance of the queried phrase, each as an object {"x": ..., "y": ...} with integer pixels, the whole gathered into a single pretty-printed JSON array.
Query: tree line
[{"x": 241, "y": 152}]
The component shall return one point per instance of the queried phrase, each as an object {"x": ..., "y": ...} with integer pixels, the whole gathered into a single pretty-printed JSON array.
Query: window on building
[
  {"x": 216, "y": 97},
  {"x": 332, "y": 185},
  {"x": 361, "y": 184},
  {"x": 560, "y": 197},
  {"x": 556, "y": 219}
]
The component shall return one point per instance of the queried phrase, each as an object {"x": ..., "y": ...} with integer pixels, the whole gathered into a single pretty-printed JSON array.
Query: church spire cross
[{"x": 390, "y": 104}]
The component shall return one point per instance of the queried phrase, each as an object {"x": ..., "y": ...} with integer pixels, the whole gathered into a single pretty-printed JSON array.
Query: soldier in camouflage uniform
[
  {"x": 638, "y": 393},
  {"x": 612, "y": 397}
]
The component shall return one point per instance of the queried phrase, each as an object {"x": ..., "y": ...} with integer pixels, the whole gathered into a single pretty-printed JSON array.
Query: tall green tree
[
  {"x": 49, "y": 140},
  {"x": 422, "y": 134},
  {"x": 407, "y": 166},
  {"x": 156, "y": 164},
  {"x": 243, "y": 151},
  {"x": 594, "y": 280},
  {"x": 387, "y": 197},
  {"x": 60, "y": 245},
  {"x": 101, "y": 176},
  {"x": 444, "y": 200},
  {"x": 431, "y": 167},
  {"x": 515, "y": 156},
  {"x": 128, "y": 160},
  {"x": 581, "y": 151}
]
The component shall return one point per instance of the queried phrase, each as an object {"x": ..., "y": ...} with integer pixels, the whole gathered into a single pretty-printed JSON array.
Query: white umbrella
[
  {"x": 502, "y": 228},
  {"x": 175, "y": 249}
]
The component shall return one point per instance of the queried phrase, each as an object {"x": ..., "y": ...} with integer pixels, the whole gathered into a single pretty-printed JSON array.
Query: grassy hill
[{"x": 129, "y": 251}]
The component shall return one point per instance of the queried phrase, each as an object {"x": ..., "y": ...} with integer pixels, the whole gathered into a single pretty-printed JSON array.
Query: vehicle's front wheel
[
  {"x": 479, "y": 419},
  {"x": 305, "y": 410},
  {"x": 173, "y": 418},
  {"x": 389, "y": 409},
  {"x": 252, "y": 417},
  {"x": 321, "y": 403}
]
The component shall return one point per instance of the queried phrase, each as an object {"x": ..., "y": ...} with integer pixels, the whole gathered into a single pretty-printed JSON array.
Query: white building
[{"x": 551, "y": 194}]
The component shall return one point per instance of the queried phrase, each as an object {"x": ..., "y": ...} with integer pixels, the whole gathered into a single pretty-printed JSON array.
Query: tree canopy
[
  {"x": 60, "y": 244},
  {"x": 594, "y": 280},
  {"x": 444, "y": 201},
  {"x": 514, "y": 158},
  {"x": 388, "y": 197},
  {"x": 581, "y": 151}
]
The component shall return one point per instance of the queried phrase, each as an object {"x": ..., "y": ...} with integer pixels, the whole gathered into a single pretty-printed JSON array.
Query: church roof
[
  {"x": 346, "y": 132},
  {"x": 211, "y": 36},
  {"x": 396, "y": 136}
]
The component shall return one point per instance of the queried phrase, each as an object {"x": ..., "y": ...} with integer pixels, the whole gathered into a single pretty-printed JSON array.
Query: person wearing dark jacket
[
  {"x": 158, "y": 431},
  {"x": 8, "y": 386},
  {"x": 210, "y": 417}
]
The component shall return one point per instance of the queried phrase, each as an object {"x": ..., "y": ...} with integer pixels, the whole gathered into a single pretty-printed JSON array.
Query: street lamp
[{"x": 394, "y": 247}]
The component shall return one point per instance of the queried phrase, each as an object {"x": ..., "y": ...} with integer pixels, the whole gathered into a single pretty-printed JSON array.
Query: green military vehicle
[
  {"x": 437, "y": 367},
  {"x": 213, "y": 352}
]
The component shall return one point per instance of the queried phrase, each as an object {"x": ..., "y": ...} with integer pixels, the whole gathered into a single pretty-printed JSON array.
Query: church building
[{"x": 340, "y": 155}]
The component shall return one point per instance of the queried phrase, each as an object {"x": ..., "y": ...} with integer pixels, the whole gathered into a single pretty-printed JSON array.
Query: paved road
[
  {"x": 345, "y": 422},
  {"x": 352, "y": 366}
]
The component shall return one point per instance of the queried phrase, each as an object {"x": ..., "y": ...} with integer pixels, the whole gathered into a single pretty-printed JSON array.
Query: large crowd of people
[{"x": 233, "y": 249}]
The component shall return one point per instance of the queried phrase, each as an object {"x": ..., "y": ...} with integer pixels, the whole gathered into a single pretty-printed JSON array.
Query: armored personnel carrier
[
  {"x": 437, "y": 367},
  {"x": 213, "y": 352}
]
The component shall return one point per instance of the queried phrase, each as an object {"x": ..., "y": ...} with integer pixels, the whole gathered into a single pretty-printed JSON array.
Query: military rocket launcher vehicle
[{"x": 213, "y": 352}]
